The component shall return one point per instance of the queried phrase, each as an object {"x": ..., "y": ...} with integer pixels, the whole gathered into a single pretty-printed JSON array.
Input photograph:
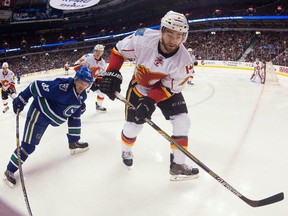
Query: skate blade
[
  {"x": 183, "y": 177},
  {"x": 11, "y": 185},
  {"x": 129, "y": 167},
  {"x": 77, "y": 151}
]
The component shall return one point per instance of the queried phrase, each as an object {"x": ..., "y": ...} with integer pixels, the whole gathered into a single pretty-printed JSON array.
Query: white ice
[{"x": 239, "y": 130}]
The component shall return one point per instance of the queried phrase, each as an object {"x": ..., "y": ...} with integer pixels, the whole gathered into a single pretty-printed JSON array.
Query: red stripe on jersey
[
  {"x": 159, "y": 93},
  {"x": 116, "y": 61}
]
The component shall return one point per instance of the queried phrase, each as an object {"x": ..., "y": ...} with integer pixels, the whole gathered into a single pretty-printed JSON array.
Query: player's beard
[{"x": 169, "y": 47}]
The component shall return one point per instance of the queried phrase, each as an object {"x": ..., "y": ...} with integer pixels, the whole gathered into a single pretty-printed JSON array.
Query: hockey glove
[
  {"x": 111, "y": 83},
  {"x": 19, "y": 104},
  {"x": 145, "y": 108}
]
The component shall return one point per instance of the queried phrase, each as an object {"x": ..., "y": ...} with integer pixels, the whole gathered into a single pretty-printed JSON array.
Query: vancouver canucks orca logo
[{"x": 70, "y": 110}]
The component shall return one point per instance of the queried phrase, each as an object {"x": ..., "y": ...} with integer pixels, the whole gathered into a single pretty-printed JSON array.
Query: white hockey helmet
[
  {"x": 175, "y": 21},
  {"x": 5, "y": 65},
  {"x": 99, "y": 47},
  {"x": 189, "y": 50}
]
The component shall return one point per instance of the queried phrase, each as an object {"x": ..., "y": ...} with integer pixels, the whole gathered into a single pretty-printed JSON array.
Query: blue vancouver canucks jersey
[{"x": 57, "y": 99}]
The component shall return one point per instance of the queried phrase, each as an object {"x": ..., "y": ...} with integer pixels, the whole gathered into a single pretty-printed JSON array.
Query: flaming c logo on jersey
[
  {"x": 146, "y": 78},
  {"x": 158, "y": 61}
]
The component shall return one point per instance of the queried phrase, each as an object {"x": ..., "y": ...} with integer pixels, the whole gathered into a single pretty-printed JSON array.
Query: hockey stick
[
  {"x": 20, "y": 165},
  {"x": 254, "y": 203}
]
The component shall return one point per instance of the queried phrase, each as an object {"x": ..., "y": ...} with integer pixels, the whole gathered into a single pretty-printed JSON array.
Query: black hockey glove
[
  {"x": 111, "y": 83},
  {"x": 19, "y": 103},
  {"x": 144, "y": 109}
]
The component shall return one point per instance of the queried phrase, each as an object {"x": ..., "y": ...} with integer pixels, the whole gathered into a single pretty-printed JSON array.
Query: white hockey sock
[
  {"x": 126, "y": 148},
  {"x": 179, "y": 157}
]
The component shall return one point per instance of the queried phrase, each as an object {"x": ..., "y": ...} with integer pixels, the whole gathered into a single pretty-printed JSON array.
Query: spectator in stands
[
  {"x": 24, "y": 44},
  {"x": 83, "y": 35},
  {"x": 279, "y": 10},
  {"x": 217, "y": 12},
  {"x": 251, "y": 11},
  {"x": 61, "y": 38},
  {"x": 42, "y": 40}
]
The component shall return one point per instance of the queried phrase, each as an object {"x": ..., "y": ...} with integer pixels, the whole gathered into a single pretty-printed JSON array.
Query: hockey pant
[{"x": 5, "y": 93}]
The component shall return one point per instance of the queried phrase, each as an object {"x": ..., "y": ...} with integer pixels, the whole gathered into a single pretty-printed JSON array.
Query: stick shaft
[
  {"x": 254, "y": 203},
  {"x": 20, "y": 165}
]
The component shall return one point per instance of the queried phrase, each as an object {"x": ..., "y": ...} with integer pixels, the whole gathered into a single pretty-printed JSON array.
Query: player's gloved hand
[
  {"x": 144, "y": 109},
  {"x": 83, "y": 108},
  {"x": 19, "y": 103},
  {"x": 111, "y": 83}
]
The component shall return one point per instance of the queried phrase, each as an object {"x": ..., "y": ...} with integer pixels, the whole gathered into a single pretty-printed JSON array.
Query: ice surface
[{"x": 239, "y": 130}]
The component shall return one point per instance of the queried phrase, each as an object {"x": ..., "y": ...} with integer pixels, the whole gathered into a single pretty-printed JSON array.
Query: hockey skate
[
  {"x": 100, "y": 108},
  {"x": 9, "y": 178},
  {"x": 180, "y": 172},
  {"x": 127, "y": 158},
  {"x": 5, "y": 109},
  {"x": 190, "y": 83},
  {"x": 78, "y": 147}
]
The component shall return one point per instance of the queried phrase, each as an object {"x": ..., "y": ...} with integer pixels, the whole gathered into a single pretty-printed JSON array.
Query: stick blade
[{"x": 270, "y": 200}]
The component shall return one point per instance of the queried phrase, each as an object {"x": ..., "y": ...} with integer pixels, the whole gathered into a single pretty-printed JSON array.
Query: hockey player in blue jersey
[{"x": 53, "y": 103}]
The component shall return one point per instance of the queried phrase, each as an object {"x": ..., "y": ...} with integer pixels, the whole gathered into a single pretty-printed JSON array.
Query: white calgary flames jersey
[
  {"x": 97, "y": 67},
  {"x": 66, "y": 66},
  {"x": 7, "y": 79},
  {"x": 258, "y": 66},
  {"x": 151, "y": 66}
]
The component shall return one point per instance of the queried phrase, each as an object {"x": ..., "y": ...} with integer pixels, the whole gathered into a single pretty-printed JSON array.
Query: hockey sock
[
  {"x": 179, "y": 157},
  {"x": 26, "y": 149}
]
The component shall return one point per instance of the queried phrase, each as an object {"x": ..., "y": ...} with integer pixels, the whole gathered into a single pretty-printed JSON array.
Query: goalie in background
[{"x": 259, "y": 72}]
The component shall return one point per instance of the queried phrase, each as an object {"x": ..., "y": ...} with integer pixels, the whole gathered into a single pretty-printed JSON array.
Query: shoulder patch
[
  {"x": 64, "y": 87},
  {"x": 140, "y": 32}
]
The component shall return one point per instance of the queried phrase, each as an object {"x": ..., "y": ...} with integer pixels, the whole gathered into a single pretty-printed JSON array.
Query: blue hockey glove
[{"x": 19, "y": 103}]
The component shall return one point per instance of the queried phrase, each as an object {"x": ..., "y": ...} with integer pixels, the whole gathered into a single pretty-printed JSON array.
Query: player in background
[
  {"x": 66, "y": 68},
  {"x": 195, "y": 64},
  {"x": 258, "y": 71},
  {"x": 7, "y": 83},
  {"x": 163, "y": 67},
  {"x": 98, "y": 65},
  {"x": 18, "y": 75},
  {"x": 53, "y": 103}
]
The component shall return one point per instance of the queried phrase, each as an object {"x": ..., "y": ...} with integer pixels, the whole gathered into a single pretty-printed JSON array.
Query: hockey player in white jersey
[
  {"x": 163, "y": 67},
  {"x": 66, "y": 68},
  {"x": 258, "y": 72},
  {"x": 98, "y": 65},
  {"x": 7, "y": 84}
]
